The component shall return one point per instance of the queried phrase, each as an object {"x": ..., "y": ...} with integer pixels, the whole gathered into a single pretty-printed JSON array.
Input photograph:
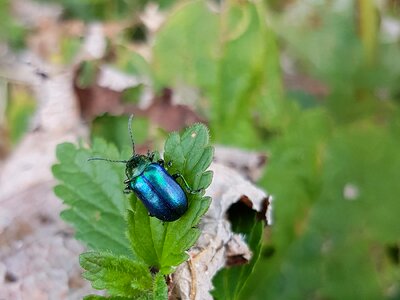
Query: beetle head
[{"x": 136, "y": 165}]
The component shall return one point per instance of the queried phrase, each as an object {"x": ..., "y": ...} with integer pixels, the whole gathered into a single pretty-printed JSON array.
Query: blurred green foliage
[
  {"x": 97, "y": 10},
  {"x": 87, "y": 74},
  {"x": 20, "y": 107},
  {"x": 69, "y": 47},
  {"x": 10, "y": 30},
  {"x": 233, "y": 60},
  {"x": 102, "y": 10},
  {"x": 114, "y": 130}
]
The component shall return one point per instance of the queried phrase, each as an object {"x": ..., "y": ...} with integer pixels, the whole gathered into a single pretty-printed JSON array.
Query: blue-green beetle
[{"x": 159, "y": 191}]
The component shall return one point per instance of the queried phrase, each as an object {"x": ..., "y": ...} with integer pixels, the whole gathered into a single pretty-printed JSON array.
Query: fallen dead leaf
[
  {"x": 249, "y": 163},
  {"x": 217, "y": 244}
]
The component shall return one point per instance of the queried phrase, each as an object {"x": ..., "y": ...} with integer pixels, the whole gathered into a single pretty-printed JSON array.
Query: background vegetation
[{"x": 312, "y": 83}]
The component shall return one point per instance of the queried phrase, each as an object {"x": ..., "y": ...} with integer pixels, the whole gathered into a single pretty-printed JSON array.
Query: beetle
[{"x": 150, "y": 181}]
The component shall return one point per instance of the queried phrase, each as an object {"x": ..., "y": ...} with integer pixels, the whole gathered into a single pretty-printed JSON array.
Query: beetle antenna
[
  {"x": 130, "y": 132},
  {"x": 106, "y": 159}
]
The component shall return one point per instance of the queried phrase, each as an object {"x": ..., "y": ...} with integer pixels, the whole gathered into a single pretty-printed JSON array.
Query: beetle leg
[
  {"x": 127, "y": 189},
  {"x": 162, "y": 163},
  {"x": 188, "y": 188},
  {"x": 150, "y": 155}
]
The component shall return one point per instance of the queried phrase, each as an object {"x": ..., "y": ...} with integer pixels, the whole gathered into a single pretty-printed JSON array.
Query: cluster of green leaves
[{"x": 130, "y": 252}]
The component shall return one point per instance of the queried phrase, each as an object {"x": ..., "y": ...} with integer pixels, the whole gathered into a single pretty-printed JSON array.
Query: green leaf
[
  {"x": 180, "y": 58},
  {"x": 20, "y": 107},
  {"x": 93, "y": 193},
  {"x": 131, "y": 62},
  {"x": 11, "y": 31},
  {"x": 234, "y": 60},
  {"x": 163, "y": 245},
  {"x": 69, "y": 48},
  {"x": 113, "y": 130},
  {"x": 248, "y": 89},
  {"x": 97, "y": 208},
  {"x": 159, "y": 292},
  {"x": 229, "y": 282},
  {"x": 297, "y": 164},
  {"x": 87, "y": 74},
  {"x": 160, "y": 288},
  {"x": 120, "y": 276},
  {"x": 336, "y": 197}
]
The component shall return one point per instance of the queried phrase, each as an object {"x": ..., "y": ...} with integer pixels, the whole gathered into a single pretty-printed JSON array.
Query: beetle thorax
[{"x": 136, "y": 165}]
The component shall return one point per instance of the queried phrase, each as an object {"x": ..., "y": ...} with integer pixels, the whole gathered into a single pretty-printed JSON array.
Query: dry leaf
[
  {"x": 248, "y": 163},
  {"x": 217, "y": 243}
]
